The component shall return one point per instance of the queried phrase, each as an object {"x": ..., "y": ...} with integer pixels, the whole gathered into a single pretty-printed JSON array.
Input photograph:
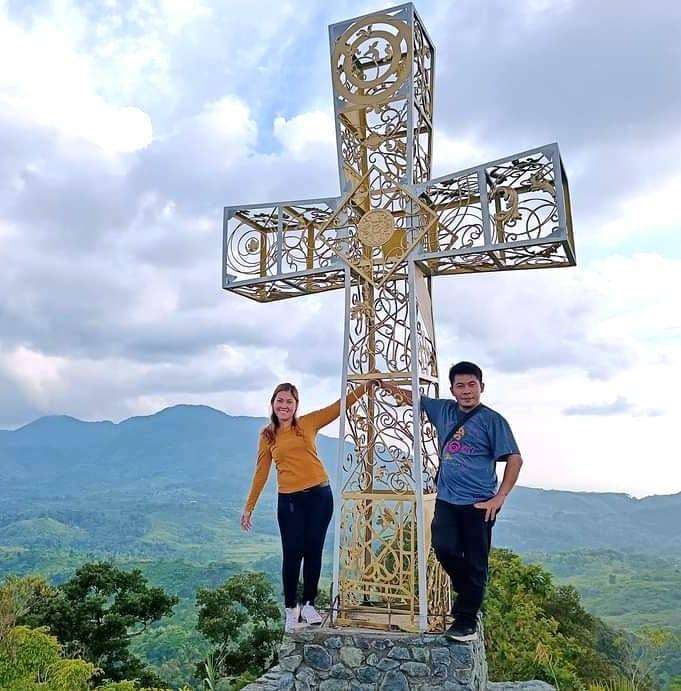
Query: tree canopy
[
  {"x": 537, "y": 630},
  {"x": 243, "y": 620},
  {"x": 96, "y": 613}
]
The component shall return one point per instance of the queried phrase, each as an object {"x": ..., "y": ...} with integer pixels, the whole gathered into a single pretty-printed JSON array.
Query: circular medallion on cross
[
  {"x": 372, "y": 59},
  {"x": 376, "y": 227}
]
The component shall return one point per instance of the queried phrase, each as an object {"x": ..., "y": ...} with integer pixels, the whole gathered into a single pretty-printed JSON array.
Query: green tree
[
  {"x": 96, "y": 614},
  {"x": 173, "y": 649},
  {"x": 31, "y": 660},
  {"x": 17, "y": 597},
  {"x": 646, "y": 652},
  {"x": 598, "y": 651},
  {"x": 534, "y": 629},
  {"x": 243, "y": 620}
]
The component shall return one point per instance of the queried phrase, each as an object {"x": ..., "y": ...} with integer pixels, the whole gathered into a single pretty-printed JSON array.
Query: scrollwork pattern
[
  {"x": 423, "y": 104},
  {"x": 423, "y": 72},
  {"x": 545, "y": 255},
  {"x": 459, "y": 212},
  {"x": 522, "y": 196},
  {"x": 379, "y": 332},
  {"x": 381, "y": 434},
  {"x": 377, "y": 191},
  {"x": 276, "y": 243},
  {"x": 301, "y": 249},
  {"x": 372, "y": 59},
  {"x": 439, "y": 593},
  {"x": 252, "y": 243},
  {"x": 377, "y": 553}
]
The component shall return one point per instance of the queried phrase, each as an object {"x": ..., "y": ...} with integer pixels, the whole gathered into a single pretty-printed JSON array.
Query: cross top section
[{"x": 511, "y": 213}]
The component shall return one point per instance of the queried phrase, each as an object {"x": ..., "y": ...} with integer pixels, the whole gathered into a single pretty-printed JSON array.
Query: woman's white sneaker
[
  {"x": 310, "y": 615},
  {"x": 292, "y": 618}
]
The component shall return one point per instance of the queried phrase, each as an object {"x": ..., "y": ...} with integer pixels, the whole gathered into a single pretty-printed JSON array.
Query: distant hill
[
  {"x": 195, "y": 446},
  {"x": 173, "y": 483}
]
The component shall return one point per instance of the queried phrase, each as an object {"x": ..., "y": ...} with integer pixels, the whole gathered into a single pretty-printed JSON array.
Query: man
[{"x": 473, "y": 438}]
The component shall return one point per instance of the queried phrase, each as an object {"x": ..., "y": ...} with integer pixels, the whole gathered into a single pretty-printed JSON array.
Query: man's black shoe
[{"x": 462, "y": 631}]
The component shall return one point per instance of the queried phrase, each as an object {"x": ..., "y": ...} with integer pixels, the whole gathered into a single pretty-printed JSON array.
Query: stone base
[{"x": 363, "y": 660}]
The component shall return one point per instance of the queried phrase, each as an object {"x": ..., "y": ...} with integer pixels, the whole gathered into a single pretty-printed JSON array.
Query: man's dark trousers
[{"x": 462, "y": 540}]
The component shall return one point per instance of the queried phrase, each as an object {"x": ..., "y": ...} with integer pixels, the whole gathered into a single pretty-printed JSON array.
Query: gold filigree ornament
[
  {"x": 510, "y": 213},
  {"x": 376, "y": 227},
  {"x": 373, "y": 141},
  {"x": 538, "y": 183},
  {"x": 252, "y": 245},
  {"x": 362, "y": 310},
  {"x": 364, "y": 258},
  {"x": 372, "y": 59}
]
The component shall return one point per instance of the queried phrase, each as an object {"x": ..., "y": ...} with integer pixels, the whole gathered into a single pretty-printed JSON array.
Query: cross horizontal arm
[
  {"x": 512, "y": 213},
  {"x": 270, "y": 251}
]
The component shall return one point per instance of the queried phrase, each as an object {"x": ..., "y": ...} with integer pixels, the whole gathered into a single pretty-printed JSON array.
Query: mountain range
[{"x": 173, "y": 484}]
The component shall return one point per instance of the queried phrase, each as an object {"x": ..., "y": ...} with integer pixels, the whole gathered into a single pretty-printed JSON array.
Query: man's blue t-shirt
[{"x": 468, "y": 461}]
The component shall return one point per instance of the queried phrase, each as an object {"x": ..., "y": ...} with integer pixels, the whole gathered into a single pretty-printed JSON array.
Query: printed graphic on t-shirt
[
  {"x": 456, "y": 445},
  {"x": 469, "y": 458}
]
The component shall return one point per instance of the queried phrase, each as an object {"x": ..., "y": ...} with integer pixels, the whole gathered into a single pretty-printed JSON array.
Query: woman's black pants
[
  {"x": 462, "y": 540},
  {"x": 303, "y": 518}
]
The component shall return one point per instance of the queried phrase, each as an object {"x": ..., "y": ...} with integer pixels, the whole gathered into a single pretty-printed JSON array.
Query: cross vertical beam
[{"x": 382, "y": 67}]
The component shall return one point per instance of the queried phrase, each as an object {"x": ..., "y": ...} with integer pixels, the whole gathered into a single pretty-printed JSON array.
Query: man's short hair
[{"x": 465, "y": 368}]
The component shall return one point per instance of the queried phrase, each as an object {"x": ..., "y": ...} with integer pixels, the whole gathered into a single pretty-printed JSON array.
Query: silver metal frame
[
  {"x": 229, "y": 281},
  {"x": 416, "y": 457},
  {"x": 338, "y": 488}
]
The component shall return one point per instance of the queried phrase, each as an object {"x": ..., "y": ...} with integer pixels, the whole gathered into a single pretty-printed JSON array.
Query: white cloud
[
  {"x": 35, "y": 374},
  {"x": 115, "y": 387},
  {"x": 639, "y": 213},
  {"x": 176, "y": 14},
  {"x": 603, "y": 338},
  {"x": 452, "y": 154},
  {"x": 52, "y": 83},
  {"x": 620, "y": 406},
  {"x": 313, "y": 130},
  {"x": 227, "y": 122},
  {"x": 605, "y": 454},
  {"x": 542, "y": 7}
]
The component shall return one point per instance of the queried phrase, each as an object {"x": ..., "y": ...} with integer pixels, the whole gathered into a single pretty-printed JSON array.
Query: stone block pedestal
[{"x": 364, "y": 660}]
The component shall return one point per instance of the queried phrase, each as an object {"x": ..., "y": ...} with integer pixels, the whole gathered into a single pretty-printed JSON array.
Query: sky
[{"x": 126, "y": 126}]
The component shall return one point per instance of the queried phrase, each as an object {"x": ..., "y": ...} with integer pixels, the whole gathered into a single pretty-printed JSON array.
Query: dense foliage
[
  {"x": 97, "y": 612},
  {"x": 534, "y": 627},
  {"x": 242, "y": 618},
  {"x": 31, "y": 659},
  {"x": 537, "y": 630}
]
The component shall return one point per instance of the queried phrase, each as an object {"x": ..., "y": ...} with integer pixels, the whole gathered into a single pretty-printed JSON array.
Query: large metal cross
[{"x": 391, "y": 230}]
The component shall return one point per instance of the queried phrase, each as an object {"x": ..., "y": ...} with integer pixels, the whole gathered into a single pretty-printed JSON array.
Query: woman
[{"x": 305, "y": 502}]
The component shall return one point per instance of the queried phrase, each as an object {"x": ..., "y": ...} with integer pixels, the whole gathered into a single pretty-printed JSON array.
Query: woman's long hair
[{"x": 271, "y": 430}]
